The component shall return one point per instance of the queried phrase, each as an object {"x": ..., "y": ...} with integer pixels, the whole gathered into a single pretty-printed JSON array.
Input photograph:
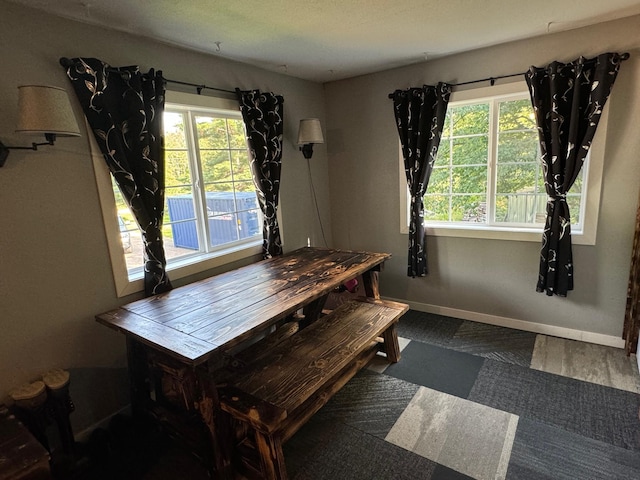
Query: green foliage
[
  {"x": 516, "y": 115},
  {"x": 458, "y": 185},
  {"x": 174, "y": 131},
  {"x": 177, "y": 169},
  {"x": 221, "y": 146},
  {"x": 467, "y": 120}
]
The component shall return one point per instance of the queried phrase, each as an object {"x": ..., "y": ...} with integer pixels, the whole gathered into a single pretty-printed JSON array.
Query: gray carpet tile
[
  {"x": 445, "y": 473},
  {"x": 594, "y": 411},
  {"x": 468, "y": 437},
  {"x": 498, "y": 343},
  {"x": 544, "y": 452},
  {"x": 345, "y": 453},
  {"x": 428, "y": 327},
  {"x": 488, "y": 341},
  {"x": 438, "y": 368},
  {"x": 370, "y": 402},
  {"x": 599, "y": 364}
]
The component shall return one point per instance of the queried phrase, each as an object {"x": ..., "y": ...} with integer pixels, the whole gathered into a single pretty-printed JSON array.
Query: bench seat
[{"x": 273, "y": 396}]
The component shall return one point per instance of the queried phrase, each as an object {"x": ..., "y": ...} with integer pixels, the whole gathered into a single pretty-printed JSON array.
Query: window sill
[{"x": 489, "y": 233}]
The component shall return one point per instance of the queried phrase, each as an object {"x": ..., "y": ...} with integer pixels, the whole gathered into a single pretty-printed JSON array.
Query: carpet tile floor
[
  {"x": 466, "y": 401},
  {"x": 468, "y": 437},
  {"x": 470, "y": 400},
  {"x": 585, "y": 361}
]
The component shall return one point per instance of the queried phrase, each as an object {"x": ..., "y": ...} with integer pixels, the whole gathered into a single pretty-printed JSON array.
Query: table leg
[
  {"x": 371, "y": 281},
  {"x": 208, "y": 406},
  {"x": 312, "y": 311},
  {"x": 138, "y": 376},
  {"x": 186, "y": 388}
]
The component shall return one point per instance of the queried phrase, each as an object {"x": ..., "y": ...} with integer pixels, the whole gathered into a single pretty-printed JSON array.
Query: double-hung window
[
  {"x": 211, "y": 213},
  {"x": 487, "y": 180}
]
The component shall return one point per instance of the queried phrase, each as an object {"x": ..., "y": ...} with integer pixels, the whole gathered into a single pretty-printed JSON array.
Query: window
[
  {"x": 211, "y": 214},
  {"x": 487, "y": 180}
]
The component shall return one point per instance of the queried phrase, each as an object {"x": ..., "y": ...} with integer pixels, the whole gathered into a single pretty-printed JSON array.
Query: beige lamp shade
[
  {"x": 44, "y": 109},
  {"x": 310, "y": 131}
]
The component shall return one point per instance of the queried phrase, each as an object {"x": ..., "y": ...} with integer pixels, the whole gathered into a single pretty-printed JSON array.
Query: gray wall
[
  {"x": 55, "y": 273},
  {"x": 487, "y": 277}
]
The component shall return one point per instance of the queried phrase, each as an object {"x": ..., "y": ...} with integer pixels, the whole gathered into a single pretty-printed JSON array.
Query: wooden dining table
[{"x": 178, "y": 340}]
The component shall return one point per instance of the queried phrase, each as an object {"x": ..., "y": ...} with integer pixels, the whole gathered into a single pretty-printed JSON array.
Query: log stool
[
  {"x": 30, "y": 406},
  {"x": 22, "y": 457}
]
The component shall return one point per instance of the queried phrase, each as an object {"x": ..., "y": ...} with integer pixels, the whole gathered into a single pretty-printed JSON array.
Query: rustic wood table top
[{"x": 194, "y": 322}]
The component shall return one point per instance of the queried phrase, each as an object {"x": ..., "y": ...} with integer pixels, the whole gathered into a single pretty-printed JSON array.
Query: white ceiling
[{"x": 324, "y": 40}]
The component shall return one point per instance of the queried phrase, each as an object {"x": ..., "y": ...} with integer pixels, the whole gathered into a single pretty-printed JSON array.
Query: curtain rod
[
  {"x": 65, "y": 62},
  {"x": 199, "y": 88},
  {"x": 623, "y": 57}
]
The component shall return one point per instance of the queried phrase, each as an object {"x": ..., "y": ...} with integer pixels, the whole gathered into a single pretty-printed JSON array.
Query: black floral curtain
[
  {"x": 262, "y": 113},
  {"x": 567, "y": 100},
  {"x": 420, "y": 114},
  {"x": 124, "y": 109}
]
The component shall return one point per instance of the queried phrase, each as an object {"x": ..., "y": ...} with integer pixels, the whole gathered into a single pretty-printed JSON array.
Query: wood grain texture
[
  {"x": 392, "y": 347},
  {"x": 285, "y": 385},
  {"x": 248, "y": 313},
  {"x": 201, "y": 324},
  {"x": 303, "y": 413},
  {"x": 250, "y": 409},
  {"x": 271, "y": 456},
  {"x": 215, "y": 314},
  {"x": 187, "y": 349},
  {"x": 295, "y": 369}
]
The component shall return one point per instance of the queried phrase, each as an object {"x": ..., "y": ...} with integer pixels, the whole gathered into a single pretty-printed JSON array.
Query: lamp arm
[{"x": 4, "y": 149}]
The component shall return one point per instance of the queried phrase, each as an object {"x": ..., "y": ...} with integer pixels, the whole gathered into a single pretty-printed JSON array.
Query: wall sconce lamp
[
  {"x": 42, "y": 110},
  {"x": 309, "y": 132}
]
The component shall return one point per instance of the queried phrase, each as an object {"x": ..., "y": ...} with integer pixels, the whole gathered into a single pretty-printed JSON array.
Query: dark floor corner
[{"x": 129, "y": 450}]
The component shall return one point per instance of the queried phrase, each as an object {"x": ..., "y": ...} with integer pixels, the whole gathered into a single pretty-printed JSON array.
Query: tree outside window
[{"x": 488, "y": 170}]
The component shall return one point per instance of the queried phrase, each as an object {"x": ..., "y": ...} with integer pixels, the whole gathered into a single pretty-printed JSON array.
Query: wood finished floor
[{"x": 467, "y": 400}]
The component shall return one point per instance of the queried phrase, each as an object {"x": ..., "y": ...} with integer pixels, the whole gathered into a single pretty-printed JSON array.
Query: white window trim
[
  {"x": 124, "y": 283},
  {"x": 593, "y": 185}
]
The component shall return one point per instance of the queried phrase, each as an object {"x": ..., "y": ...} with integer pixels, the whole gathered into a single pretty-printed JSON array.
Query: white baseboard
[{"x": 555, "y": 331}]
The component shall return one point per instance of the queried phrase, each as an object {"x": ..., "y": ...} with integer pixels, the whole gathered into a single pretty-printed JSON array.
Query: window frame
[
  {"x": 127, "y": 283},
  {"x": 592, "y": 184}
]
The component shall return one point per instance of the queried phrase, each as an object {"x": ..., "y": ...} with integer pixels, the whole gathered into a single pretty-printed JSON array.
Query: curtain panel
[
  {"x": 124, "y": 110},
  {"x": 262, "y": 113},
  {"x": 567, "y": 100},
  {"x": 419, "y": 114}
]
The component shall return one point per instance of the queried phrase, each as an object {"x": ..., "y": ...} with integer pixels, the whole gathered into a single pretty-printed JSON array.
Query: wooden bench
[{"x": 285, "y": 384}]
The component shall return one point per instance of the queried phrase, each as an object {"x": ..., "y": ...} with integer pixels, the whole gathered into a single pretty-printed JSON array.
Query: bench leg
[
  {"x": 271, "y": 456},
  {"x": 391, "y": 345}
]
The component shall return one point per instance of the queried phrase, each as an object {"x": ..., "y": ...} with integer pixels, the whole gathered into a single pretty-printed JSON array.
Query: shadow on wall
[{"x": 97, "y": 393}]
